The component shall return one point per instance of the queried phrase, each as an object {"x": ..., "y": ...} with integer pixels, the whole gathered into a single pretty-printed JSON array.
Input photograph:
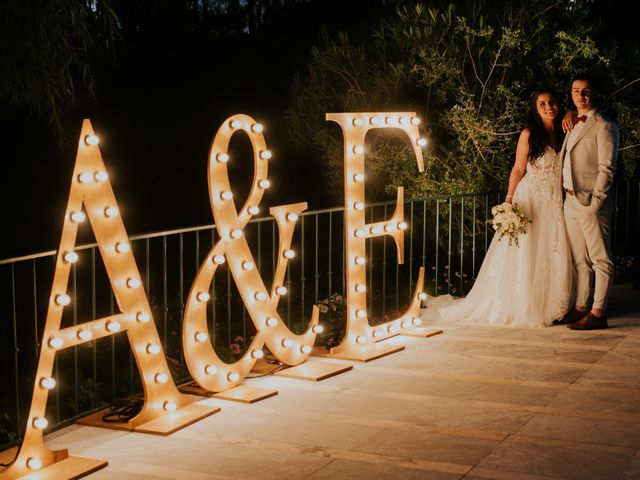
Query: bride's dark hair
[{"x": 539, "y": 138}]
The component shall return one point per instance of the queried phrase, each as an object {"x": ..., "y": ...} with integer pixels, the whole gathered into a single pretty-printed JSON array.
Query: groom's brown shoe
[
  {"x": 573, "y": 316},
  {"x": 590, "y": 322}
]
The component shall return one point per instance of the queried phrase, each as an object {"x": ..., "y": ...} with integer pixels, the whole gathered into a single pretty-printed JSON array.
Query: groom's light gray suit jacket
[{"x": 593, "y": 161}]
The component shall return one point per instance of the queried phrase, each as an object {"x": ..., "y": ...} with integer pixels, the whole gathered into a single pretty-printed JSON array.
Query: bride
[{"x": 529, "y": 285}]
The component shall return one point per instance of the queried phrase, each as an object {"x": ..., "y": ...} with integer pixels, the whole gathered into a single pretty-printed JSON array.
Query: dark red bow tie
[{"x": 582, "y": 118}]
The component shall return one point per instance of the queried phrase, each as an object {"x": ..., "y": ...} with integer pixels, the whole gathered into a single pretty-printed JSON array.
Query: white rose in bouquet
[{"x": 509, "y": 220}]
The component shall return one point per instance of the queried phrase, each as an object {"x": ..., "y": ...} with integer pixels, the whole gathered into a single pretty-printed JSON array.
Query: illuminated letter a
[{"x": 165, "y": 409}]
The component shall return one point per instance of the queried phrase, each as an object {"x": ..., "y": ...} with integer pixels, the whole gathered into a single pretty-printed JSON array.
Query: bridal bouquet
[{"x": 508, "y": 220}]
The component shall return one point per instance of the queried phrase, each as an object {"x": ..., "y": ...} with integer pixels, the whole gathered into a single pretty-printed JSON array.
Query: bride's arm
[{"x": 520, "y": 165}]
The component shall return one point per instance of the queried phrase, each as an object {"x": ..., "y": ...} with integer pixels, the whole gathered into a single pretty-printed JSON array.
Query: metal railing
[{"x": 448, "y": 235}]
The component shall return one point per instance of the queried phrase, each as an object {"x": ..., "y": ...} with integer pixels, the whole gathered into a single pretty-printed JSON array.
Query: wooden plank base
[
  {"x": 245, "y": 394},
  {"x": 163, "y": 425},
  {"x": 421, "y": 332},
  {"x": 359, "y": 353},
  {"x": 314, "y": 371},
  {"x": 65, "y": 468}
]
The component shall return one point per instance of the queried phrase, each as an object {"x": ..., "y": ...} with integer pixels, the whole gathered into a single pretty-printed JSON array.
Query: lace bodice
[{"x": 548, "y": 165}]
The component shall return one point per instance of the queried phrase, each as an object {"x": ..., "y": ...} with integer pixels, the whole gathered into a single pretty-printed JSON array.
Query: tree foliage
[{"x": 467, "y": 69}]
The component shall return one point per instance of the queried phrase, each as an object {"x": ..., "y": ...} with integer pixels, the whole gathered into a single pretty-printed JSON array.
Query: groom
[{"x": 589, "y": 156}]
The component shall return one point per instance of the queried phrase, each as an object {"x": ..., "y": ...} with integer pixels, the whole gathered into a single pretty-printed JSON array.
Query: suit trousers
[{"x": 589, "y": 234}]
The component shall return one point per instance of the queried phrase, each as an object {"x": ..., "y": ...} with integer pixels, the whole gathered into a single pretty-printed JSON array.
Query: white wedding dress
[{"x": 529, "y": 285}]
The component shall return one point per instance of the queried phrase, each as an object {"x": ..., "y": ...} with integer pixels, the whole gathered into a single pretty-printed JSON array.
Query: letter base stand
[
  {"x": 359, "y": 353},
  {"x": 66, "y": 468},
  {"x": 421, "y": 332},
  {"x": 245, "y": 394},
  {"x": 163, "y": 425},
  {"x": 314, "y": 371}
]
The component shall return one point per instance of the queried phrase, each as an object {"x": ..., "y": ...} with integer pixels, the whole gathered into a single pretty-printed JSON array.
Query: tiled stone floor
[{"x": 473, "y": 403}]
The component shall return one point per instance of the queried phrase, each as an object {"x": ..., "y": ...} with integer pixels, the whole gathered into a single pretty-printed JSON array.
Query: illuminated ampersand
[
  {"x": 91, "y": 188},
  {"x": 360, "y": 335},
  {"x": 209, "y": 371}
]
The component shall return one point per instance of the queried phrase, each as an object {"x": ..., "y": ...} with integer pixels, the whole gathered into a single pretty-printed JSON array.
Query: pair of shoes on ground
[{"x": 578, "y": 320}]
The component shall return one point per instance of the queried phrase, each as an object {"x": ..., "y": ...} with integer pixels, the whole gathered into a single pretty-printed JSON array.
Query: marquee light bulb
[
  {"x": 361, "y": 288},
  {"x": 265, "y": 155},
  {"x": 222, "y": 157},
  {"x": 63, "y": 300},
  {"x": 390, "y": 227},
  {"x": 403, "y": 225},
  {"x": 161, "y": 378},
  {"x": 360, "y": 233},
  {"x": 360, "y": 339},
  {"x": 358, "y": 206},
  {"x": 391, "y": 120},
  {"x": 286, "y": 342},
  {"x": 236, "y": 233},
  {"x": 357, "y": 122},
  {"x": 281, "y": 290},
  {"x": 257, "y": 128},
  {"x": 210, "y": 369},
  {"x": 361, "y": 313},
  {"x": 271, "y": 322},
  {"x": 246, "y": 265},
  {"x": 48, "y": 383},
  {"x": 257, "y": 354},
  {"x": 422, "y": 296},
  {"x": 133, "y": 282},
  {"x": 406, "y": 323},
  {"x": 360, "y": 260},
  {"x": 422, "y": 142},
  {"x": 264, "y": 184},
  {"x": 85, "y": 177},
  {"x": 292, "y": 217},
  {"x": 71, "y": 257},
  {"x": 233, "y": 376},
  {"x": 358, "y": 177},
  {"x": 254, "y": 210},
  {"x": 416, "y": 321},
  {"x": 375, "y": 120},
  {"x": 203, "y": 297},
  {"x": 378, "y": 333},
  {"x": 113, "y": 326},
  {"x": 55, "y": 342},
  {"x": 392, "y": 329},
  {"x": 91, "y": 140},
  {"x": 169, "y": 406},
  {"x": 201, "y": 336},
  {"x": 101, "y": 176},
  {"x": 235, "y": 124},
  {"x": 77, "y": 217},
  {"x": 404, "y": 120},
  {"x": 40, "y": 423},
  {"x": 376, "y": 230},
  {"x": 305, "y": 348},
  {"x": 260, "y": 296},
  {"x": 122, "y": 247},
  {"x": 111, "y": 212},
  {"x": 358, "y": 149},
  {"x": 415, "y": 121},
  {"x": 226, "y": 195},
  {"x": 153, "y": 349},
  {"x": 143, "y": 317},
  {"x": 289, "y": 253},
  {"x": 218, "y": 259},
  {"x": 84, "y": 335},
  {"x": 34, "y": 463}
]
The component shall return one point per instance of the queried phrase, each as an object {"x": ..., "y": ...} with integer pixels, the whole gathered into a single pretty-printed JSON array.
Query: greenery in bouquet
[{"x": 510, "y": 221}]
